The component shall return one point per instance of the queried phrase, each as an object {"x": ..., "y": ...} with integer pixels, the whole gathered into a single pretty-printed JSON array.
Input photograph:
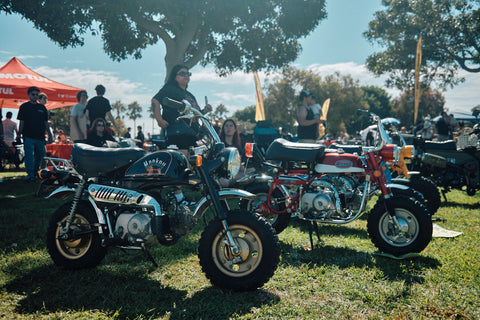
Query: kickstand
[
  {"x": 313, "y": 225},
  {"x": 444, "y": 194},
  {"x": 149, "y": 256}
]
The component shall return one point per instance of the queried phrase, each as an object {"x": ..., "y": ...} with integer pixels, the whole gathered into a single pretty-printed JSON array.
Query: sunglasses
[
  {"x": 184, "y": 73},
  {"x": 100, "y": 125},
  {"x": 34, "y": 94}
]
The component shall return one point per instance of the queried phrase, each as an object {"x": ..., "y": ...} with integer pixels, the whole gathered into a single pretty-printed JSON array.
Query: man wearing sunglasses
[{"x": 33, "y": 126}]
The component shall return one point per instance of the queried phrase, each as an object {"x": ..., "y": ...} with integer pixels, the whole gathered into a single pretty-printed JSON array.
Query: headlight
[
  {"x": 390, "y": 153},
  {"x": 234, "y": 162}
]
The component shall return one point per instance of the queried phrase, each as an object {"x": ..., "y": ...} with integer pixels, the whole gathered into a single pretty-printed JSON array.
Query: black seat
[
  {"x": 284, "y": 150},
  {"x": 347, "y": 148},
  {"x": 92, "y": 161},
  {"x": 440, "y": 145}
]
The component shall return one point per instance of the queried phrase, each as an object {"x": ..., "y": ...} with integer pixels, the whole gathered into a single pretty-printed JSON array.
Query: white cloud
[{"x": 117, "y": 88}]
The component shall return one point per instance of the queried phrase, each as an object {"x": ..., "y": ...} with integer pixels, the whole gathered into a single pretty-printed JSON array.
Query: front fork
[
  {"x": 379, "y": 176},
  {"x": 213, "y": 194}
]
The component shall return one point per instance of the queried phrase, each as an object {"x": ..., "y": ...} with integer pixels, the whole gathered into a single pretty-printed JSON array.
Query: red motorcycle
[{"x": 327, "y": 186}]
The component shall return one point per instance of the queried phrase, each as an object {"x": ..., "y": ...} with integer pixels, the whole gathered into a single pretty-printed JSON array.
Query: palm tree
[
  {"x": 120, "y": 108},
  {"x": 134, "y": 112}
]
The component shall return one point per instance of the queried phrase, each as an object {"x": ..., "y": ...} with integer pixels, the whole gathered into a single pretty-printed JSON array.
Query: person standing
[
  {"x": 442, "y": 127},
  {"x": 140, "y": 136},
  {"x": 78, "y": 118},
  {"x": 99, "y": 107},
  {"x": 33, "y": 118},
  {"x": 9, "y": 130},
  {"x": 307, "y": 121},
  {"x": 127, "y": 134},
  {"x": 176, "y": 88}
]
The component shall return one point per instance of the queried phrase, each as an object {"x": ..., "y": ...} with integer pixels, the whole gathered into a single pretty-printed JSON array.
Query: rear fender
[
  {"x": 223, "y": 194},
  {"x": 62, "y": 192},
  {"x": 65, "y": 192}
]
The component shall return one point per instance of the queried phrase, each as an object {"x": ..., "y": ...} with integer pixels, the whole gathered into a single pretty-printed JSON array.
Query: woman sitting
[{"x": 98, "y": 136}]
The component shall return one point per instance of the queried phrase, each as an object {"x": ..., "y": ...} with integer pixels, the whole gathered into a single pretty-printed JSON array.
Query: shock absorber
[{"x": 76, "y": 199}]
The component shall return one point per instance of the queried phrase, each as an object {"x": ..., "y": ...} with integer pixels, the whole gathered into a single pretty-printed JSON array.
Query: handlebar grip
[
  {"x": 359, "y": 112},
  {"x": 177, "y": 105}
]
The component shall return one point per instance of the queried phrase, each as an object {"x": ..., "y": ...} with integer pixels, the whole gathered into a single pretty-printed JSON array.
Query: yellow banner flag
[
  {"x": 259, "y": 111},
  {"x": 418, "y": 62},
  {"x": 321, "y": 126}
]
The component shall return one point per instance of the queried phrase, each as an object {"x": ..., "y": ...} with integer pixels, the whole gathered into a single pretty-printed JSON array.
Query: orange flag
[
  {"x": 418, "y": 62},
  {"x": 259, "y": 111}
]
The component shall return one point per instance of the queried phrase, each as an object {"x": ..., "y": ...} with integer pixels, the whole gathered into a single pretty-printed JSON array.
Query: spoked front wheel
[
  {"x": 411, "y": 232},
  {"x": 255, "y": 262}
]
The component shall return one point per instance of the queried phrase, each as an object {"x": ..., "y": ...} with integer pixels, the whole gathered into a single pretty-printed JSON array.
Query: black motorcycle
[
  {"x": 11, "y": 155},
  {"x": 124, "y": 198},
  {"x": 448, "y": 164}
]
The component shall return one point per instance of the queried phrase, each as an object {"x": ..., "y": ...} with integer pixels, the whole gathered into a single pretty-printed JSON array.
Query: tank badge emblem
[
  {"x": 343, "y": 164},
  {"x": 155, "y": 166}
]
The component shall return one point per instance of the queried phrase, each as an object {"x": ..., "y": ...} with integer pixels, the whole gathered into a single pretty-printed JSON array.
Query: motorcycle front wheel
[
  {"x": 77, "y": 251},
  {"x": 278, "y": 221},
  {"x": 253, "y": 265},
  {"x": 414, "y": 230}
]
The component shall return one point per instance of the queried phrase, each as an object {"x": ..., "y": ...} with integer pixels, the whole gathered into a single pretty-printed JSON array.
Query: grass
[{"x": 341, "y": 279}]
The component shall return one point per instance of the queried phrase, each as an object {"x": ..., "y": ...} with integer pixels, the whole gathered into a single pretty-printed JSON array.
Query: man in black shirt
[
  {"x": 33, "y": 118},
  {"x": 140, "y": 136},
  {"x": 99, "y": 107}
]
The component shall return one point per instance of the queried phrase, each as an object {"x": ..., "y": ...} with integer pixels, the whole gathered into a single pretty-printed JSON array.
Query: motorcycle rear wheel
[
  {"x": 278, "y": 221},
  {"x": 415, "y": 226},
  {"x": 84, "y": 251},
  {"x": 429, "y": 191},
  {"x": 259, "y": 252}
]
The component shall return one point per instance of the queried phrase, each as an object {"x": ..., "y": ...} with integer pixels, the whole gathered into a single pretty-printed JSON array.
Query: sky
[{"x": 336, "y": 45}]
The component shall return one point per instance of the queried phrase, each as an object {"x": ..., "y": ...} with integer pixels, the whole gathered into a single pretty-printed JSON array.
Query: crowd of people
[{"x": 89, "y": 123}]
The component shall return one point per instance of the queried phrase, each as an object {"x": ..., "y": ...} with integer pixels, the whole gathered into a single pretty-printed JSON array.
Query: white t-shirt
[
  {"x": 9, "y": 128},
  {"x": 316, "y": 109},
  {"x": 78, "y": 111}
]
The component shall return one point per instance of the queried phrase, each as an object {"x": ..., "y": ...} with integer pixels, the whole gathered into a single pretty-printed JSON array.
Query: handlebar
[{"x": 384, "y": 138}]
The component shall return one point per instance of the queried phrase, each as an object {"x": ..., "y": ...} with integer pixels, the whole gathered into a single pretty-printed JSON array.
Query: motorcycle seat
[
  {"x": 441, "y": 145},
  {"x": 347, "y": 148},
  {"x": 92, "y": 161},
  {"x": 284, "y": 150}
]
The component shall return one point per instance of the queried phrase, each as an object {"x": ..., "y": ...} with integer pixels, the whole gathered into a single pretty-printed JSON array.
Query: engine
[
  {"x": 332, "y": 197},
  {"x": 135, "y": 227}
]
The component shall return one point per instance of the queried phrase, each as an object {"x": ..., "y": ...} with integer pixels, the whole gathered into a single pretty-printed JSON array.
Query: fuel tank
[
  {"x": 166, "y": 165},
  {"x": 340, "y": 163}
]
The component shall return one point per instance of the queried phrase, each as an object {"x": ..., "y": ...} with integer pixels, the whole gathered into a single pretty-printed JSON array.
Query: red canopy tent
[{"x": 16, "y": 78}]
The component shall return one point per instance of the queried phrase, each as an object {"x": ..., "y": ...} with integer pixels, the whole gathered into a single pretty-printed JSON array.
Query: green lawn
[{"x": 341, "y": 279}]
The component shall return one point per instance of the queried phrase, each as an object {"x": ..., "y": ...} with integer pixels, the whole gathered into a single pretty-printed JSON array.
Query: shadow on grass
[
  {"x": 453, "y": 204},
  {"x": 331, "y": 229},
  {"x": 127, "y": 293},
  {"x": 407, "y": 269}
]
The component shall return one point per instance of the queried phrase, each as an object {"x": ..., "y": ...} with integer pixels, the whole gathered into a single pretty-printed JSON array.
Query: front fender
[
  {"x": 397, "y": 186},
  {"x": 223, "y": 194}
]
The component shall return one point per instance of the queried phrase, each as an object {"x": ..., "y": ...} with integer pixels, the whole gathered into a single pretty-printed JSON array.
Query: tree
[
  {"x": 451, "y": 40},
  {"x": 281, "y": 99},
  {"x": 233, "y": 35},
  {"x": 431, "y": 104},
  {"x": 119, "y": 108},
  {"x": 378, "y": 100},
  {"x": 134, "y": 112},
  {"x": 219, "y": 113},
  {"x": 247, "y": 114}
]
